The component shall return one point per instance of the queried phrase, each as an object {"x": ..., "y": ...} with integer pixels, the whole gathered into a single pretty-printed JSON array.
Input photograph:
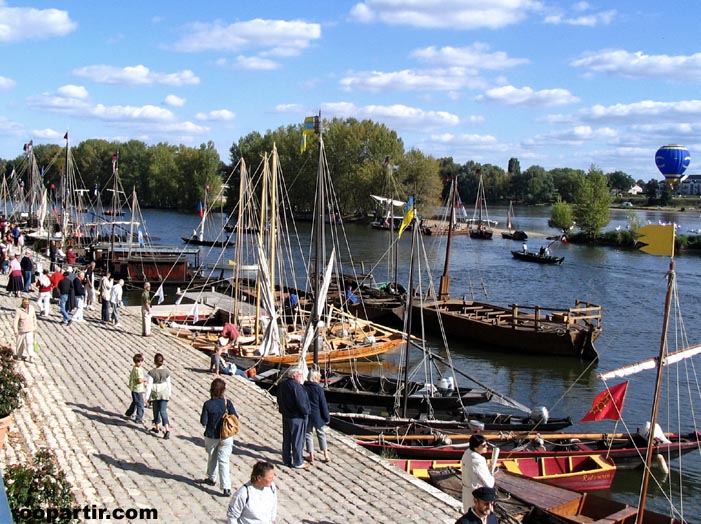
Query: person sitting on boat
[
  {"x": 482, "y": 510},
  {"x": 219, "y": 366},
  {"x": 292, "y": 301},
  {"x": 475, "y": 471},
  {"x": 524, "y": 248},
  {"x": 541, "y": 251},
  {"x": 350, "y": 296},
  {"x": 71, "y": 257}
]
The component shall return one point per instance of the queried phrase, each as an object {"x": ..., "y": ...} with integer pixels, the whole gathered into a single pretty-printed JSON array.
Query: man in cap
[{"x": 482, "y": 510}]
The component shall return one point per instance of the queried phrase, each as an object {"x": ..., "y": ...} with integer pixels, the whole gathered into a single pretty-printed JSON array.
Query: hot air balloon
[{"x": 672, "y": 161}]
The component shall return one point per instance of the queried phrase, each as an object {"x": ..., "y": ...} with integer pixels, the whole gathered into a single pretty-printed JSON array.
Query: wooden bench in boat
[{"x": 627, "y": 512}]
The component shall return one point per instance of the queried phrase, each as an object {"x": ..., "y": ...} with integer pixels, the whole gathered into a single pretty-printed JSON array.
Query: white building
[{"x": 691, "y": 185}]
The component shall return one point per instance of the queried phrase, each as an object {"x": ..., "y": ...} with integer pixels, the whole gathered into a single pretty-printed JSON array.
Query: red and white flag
[{"x": 608, "y": 404}]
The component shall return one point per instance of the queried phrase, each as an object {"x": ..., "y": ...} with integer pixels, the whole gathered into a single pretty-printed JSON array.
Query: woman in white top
[
  {"x": 256, "y": 501},
  {"x": 475, "y": 471}
]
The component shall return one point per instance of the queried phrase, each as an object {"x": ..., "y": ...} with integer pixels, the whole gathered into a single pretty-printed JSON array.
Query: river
[{"x": 628, "y": 284}]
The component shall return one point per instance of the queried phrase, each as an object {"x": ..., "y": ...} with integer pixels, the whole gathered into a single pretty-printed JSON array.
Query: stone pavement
[{"x": 77, "y": 396}]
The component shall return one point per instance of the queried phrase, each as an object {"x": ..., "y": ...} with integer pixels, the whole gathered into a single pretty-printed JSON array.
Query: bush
[
  {"x": 39, "y": 486},
  {"x": 11, "y": 383}
]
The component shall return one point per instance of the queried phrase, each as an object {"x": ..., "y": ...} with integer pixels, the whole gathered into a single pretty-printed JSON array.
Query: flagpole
[{"x": 656, "y": 398}]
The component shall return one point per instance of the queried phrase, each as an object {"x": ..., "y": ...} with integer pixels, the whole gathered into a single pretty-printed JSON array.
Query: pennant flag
[
  {"x": 307, "y": 129},
  {"x": 657, "y": 240},
  {"x": 195, "y": 312},
  {"x": 65, "y": 137},
  {"x": 179, "y": 299},
  {"x": 408, "y": 216},
  {"x": 608, "y": 404},
  {"x": 159, "y": 294},
  {"x": 563, "y": 239},
  {"x": 200, "y": 209}
]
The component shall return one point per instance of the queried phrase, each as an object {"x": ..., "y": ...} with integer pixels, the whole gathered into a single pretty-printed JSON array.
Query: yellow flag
[
  {"x": 658, "y": 240},
  {"x": 408, "y": 216},
  {"x": 308, "y": 128}
]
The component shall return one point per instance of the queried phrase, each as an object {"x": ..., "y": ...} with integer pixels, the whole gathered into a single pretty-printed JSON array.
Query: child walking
[{"x": 137, "y": 386}]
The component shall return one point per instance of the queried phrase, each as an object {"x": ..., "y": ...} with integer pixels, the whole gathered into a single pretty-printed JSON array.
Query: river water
[{"x": 628, "y": 284}]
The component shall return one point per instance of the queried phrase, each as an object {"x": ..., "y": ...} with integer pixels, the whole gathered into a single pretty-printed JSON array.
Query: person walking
[
  {"x": 256, "y": 501},
  {"x": 25, "y": 324},
  {"x": 27, "y": 265},
  {"x": 137, "y": 386},
  {"x": 90, "y": 286},
  {"x": 293, "y": 403},
  {"x": 15, "y": 283},
  {"x": 218, "y": 449},
  {"x": 45, "y": 289},
  {"x": 106, "y": 284},
  {"x": 318, "y": 416},
  {"x": 116, "y": 300},
  {"x": 146, "y": 311},
  {"x": 482, "y": 509},
  {"x": 79, "y": 289},
  {"x": 65, "y": 287},
  {"x": 475, "y": 471},
  {"x": 53, "y": 255},
  {"x": 158, "y": 391}
]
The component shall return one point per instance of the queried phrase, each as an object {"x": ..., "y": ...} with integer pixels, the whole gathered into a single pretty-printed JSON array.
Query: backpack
[{"x": 229, "y": 424}]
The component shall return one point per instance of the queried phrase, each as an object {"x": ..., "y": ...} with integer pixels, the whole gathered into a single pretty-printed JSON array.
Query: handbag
[{"x": 229, "y": 424}]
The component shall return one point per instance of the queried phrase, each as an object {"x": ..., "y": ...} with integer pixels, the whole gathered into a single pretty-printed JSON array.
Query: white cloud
[
  {"x": 449, "y": 14},
  {"x": 26, "y": 23},
  {"x": 476, "y": 56},
  {"x": 474, "y": 119},
  {"x": 640, "y": 65},
  {"x": 255, "y": 63},
  {"x": 6, "y": 83},
  {"x": 174, "y": 101},
  {"x": 558, "y": 16},
  {"x": 396, "y": 116},
  {"x": 47, "y": 133},
  {"x": 574, "y": 136},
  {"x": 73, "y": 91},
  {"x": 465, "y": 139},
  {"x": 216, "y": 115},
  {"x": 281, "y": 37},
  {"x": 450, "y": 79},
  {"x": 10, "y": 128},
  {"x": 644, "y": 111},
  {"x": 526, "y": 96},
  {"x": 135, "y": 75},
  {"x": 289, "y": 108},
  {"x": 143, "y": 113}
]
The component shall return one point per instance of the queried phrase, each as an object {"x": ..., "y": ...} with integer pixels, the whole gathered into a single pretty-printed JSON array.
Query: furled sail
[{"x": 651, "y": 363}]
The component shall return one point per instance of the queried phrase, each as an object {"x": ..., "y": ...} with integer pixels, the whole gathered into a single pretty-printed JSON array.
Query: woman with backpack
[
  {"x": 255, "y": 501},
  {"x": 217, "y": 444}
]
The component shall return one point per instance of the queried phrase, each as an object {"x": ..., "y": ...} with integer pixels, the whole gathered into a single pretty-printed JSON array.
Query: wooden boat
[
  {"x": 584, "y": 473},
  {"x": 460, "y": 422},
  {"x": 625, "y": 450},
  {"x": 206, "y": 228},
  {"x": 521, "y": 499},
  {"x": 194, "y": 241},
  {"x": 530, "y": 329},
  {"x": 538, "y": 258},
  {"x": 481, "y": 224},
  {"x": 382, "y": 393},
  {"x": 511, "y": 232}
]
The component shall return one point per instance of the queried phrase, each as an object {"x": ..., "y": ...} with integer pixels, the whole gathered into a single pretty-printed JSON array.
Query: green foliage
[
  {"x": 514, "y": 167},
  {"x": 11, "y": 383},
  {"x": 39, "y": 485},
  {"x": 532, "y": 186},
  {"x": 561, "y": 216},
  {"x": 420, "y": 174},
  {"x": 567, "y": 182},
  {"x": 619, "y": 181},
  {"x": 592, "y": 203}
]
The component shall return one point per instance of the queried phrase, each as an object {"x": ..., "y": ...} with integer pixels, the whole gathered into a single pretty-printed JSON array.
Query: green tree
[
  {"x": 561, "y": 216},
  {"x": 567, "y": 182},
  {"x": 420, "y": 175},
  {"x": 592, "y": 203},
  {"x": 514, "y": 167},
  {"x": 620, "y": 182}
]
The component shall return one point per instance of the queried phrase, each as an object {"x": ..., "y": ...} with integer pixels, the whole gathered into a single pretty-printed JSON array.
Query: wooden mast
[
  {"x": 410, "y": 304},
  {"x": 444, "y": 289},
  {"x": 319, "y": 237}
]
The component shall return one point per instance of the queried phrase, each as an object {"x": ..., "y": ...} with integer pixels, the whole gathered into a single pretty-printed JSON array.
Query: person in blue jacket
[
  {"x": 293, "y": 404},
  {"x": 318, "y": 416}
]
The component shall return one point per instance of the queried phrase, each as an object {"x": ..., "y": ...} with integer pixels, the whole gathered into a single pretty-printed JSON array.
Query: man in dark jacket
[
  {"x": 319, "y": 416},
  {"x": 27, "y": 265},
  {"x": 293, "y": 403},
  {"x": 79, "y": 287},
  {"x": 65, "y": 286},
  {"x": 482, "y": 510}
]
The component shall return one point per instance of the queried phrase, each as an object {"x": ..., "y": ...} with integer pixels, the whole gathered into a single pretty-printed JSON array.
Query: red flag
[
  {"x": 563, "y": 239},
  {"x": 608, "y": 404}
]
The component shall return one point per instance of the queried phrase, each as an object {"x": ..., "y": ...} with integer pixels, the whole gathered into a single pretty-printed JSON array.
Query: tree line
[{"x": 364, "y": 158}]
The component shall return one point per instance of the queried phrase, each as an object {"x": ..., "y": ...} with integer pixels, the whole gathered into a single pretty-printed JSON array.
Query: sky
[{"x": 554, "y": 84}]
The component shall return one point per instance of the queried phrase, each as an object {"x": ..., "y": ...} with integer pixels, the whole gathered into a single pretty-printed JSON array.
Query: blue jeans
[
  {"x": 160, "y": 412},
  {"x": 27, "y": 275},
  {"x": 218, "y": 455},
  {"x": 62, "y": 307},
  {"x": 137, "y": 404},
  {"x": 293, "y": 441}
]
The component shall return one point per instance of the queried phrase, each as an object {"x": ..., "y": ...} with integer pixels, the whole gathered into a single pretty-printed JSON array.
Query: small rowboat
[{"x": 537, "y": 258}]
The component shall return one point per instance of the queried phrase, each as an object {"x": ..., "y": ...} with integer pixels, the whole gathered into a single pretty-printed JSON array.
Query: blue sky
[{"x": 557, "y": 84}]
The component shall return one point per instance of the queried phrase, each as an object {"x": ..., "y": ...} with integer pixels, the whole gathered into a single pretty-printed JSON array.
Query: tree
[
  {"x": 620, "y": 182},
  {"x": 420, "y": 176},
  {"x": 514, "y": 167},
  {"x": 567, "y": 182},
  {"x": 561, "y": 216},
  {"x": 592, "y": 203}
]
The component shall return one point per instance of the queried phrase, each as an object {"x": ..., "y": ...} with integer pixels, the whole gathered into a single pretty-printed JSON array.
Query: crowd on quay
[{"x": 301, "y": 402}]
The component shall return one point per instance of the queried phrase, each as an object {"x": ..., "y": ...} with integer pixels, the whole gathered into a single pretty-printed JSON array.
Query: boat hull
[
  {"x": 537, "y": 258},
  {"x": 509, "y": 330}
]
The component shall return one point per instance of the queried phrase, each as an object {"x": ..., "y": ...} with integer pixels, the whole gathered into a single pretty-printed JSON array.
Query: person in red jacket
[{"x": 45, "y": 287}]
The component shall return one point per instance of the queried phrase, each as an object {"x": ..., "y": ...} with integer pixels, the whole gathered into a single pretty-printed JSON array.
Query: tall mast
[
  {"x": 658, "y": 388},
  {"x": 444, "y": 289},
  {"x": 410, "y": 304},
  {"x": 243, "y": 200},
  {"x": 273, "y": 217},
  {"x": 319, "y": 237}
]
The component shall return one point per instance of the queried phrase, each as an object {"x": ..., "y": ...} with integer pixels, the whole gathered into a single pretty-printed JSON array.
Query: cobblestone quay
[{"x": 76, "y": 398}]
